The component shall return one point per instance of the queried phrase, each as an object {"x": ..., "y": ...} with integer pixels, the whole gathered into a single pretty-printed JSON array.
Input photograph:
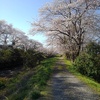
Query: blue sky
[{"x": 20, "y": 13}]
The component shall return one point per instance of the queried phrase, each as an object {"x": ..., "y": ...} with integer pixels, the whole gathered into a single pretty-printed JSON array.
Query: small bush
[
  {"x": 32, "y": 58},
  {"x": 84, "y": 65},
  {"x": 10, "y": 58},
  {"x": 88, "y": 63},
  {"x": 93, "y": 49}
]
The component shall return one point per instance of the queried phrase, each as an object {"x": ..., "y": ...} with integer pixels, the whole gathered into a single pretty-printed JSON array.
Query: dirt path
[{"x": 65, "y": 86}]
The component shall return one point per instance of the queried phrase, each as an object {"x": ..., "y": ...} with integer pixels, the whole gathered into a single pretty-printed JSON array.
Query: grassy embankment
[
  {"x": 90, "y": 82},
  {"x": 27, "y": 84}
]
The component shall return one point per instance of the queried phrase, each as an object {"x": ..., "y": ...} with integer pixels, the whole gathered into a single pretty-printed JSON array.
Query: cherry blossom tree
[
  {"x": 77, "y": 20},
  {"x": 15, "y": 38}
]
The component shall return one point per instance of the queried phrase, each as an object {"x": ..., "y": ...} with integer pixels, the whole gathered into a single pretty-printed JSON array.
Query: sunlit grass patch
[
  {"x": 90, "y": 82},
  {"x": 60, "y": 67},
  {"x": 69, "y": 63}
]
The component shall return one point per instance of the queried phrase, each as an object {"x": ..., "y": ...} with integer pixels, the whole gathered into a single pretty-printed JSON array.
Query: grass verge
[
  {"x": 27, "y": 84},
  {"x": 90, "y": 82},
  {"x": 42, "y": 75}
]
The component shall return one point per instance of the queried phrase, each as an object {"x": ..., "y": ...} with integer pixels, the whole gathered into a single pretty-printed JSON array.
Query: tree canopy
[{"x": 69, "y": 23}]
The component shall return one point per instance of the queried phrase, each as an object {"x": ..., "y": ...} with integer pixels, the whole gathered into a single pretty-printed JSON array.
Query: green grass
[
  {"x": 42, "y": 75},
  {"x": 90, "y": 82},
  {"x": 28, "y": 84}
]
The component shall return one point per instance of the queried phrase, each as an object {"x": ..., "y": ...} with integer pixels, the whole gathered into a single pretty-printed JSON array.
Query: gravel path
[{"x": 65, "y": 86}]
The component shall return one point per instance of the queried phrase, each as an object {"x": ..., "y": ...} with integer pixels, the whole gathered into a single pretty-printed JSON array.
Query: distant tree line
[{"x": 17, "y": 50}]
